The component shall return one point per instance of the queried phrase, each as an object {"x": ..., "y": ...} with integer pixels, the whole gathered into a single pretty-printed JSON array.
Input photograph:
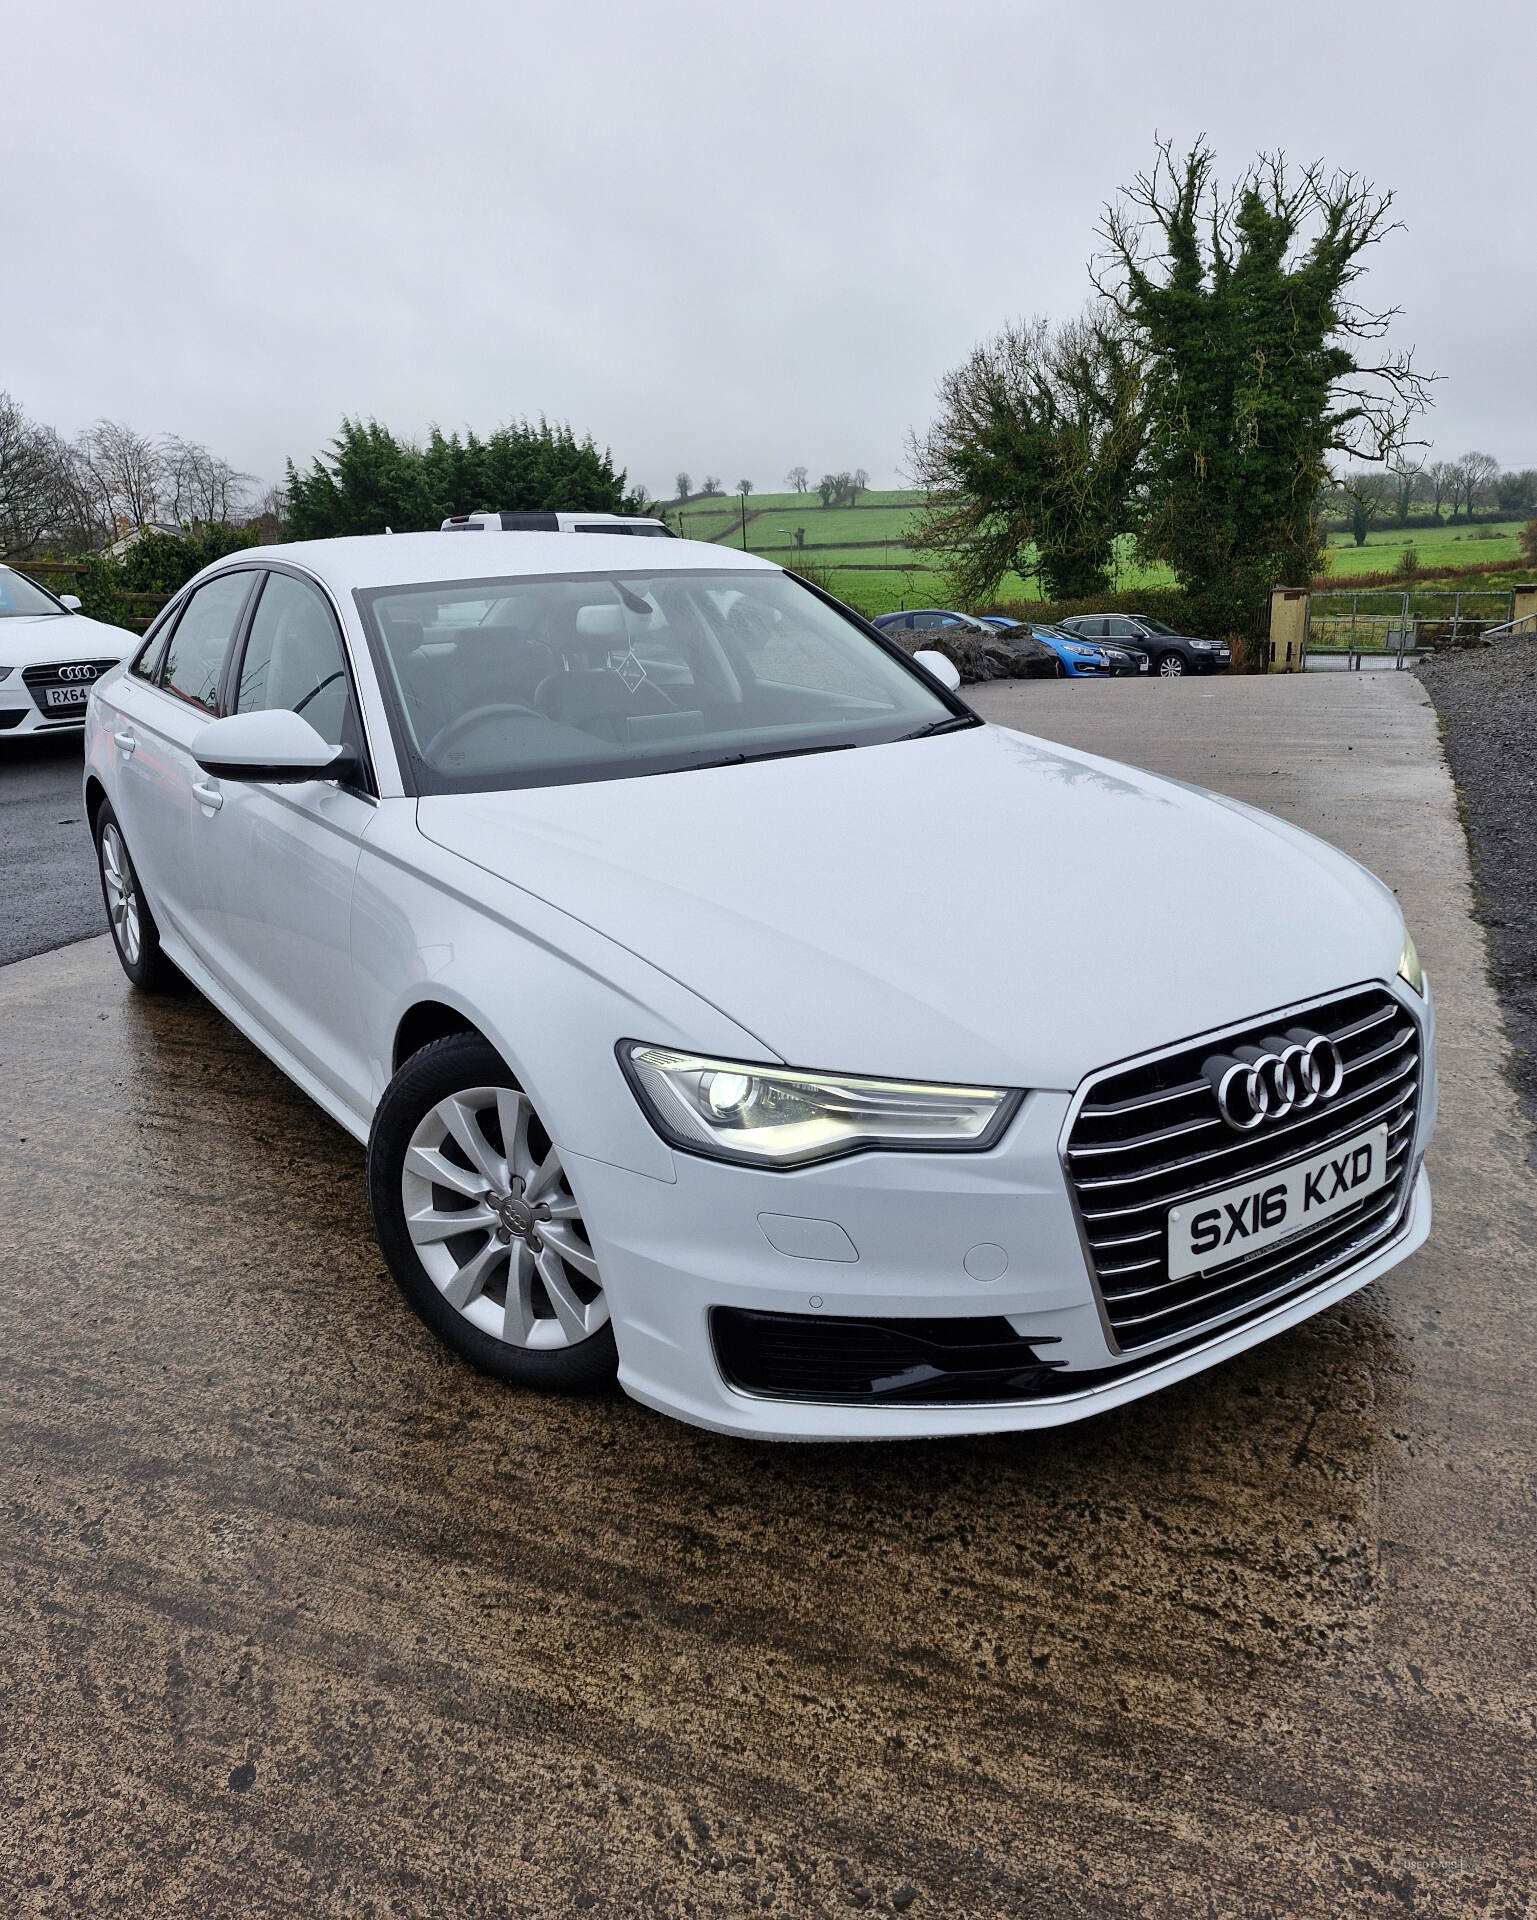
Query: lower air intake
[{"x": 805, "y": 1356}]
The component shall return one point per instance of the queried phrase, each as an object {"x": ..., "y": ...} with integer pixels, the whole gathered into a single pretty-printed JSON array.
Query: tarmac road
[
  {"x": 302, "y": 1618},
  {"x": 49, "y": 894}
]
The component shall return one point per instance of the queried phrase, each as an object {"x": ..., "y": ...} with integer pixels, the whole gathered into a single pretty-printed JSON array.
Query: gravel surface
[
  {"x": 1486, "y": 700},
  {"x": 48, "y": 890}
]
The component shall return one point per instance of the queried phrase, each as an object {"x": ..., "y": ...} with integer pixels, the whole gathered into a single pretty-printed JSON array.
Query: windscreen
[
  {"x": 538, "y": 682},
  {"x": 20, "y": 599}
]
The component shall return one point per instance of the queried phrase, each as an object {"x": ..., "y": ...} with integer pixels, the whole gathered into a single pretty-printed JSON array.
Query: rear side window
[{"x": 196, "y": 654}]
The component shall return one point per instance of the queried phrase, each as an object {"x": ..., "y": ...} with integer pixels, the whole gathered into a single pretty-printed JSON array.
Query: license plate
[
  {"x": 1240, "y": 1220},
  {"x": 66, "y": 696}
]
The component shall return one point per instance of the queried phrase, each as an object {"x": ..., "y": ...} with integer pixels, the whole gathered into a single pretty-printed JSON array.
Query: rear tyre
[
  {"x": 479, "y": 1226},
  {"x": 134, "y": 933},
  {"x": 1171, "y": 665}
]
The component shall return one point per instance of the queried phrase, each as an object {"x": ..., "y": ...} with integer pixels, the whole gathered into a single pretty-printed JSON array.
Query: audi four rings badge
[
  {"x": 77, "y": 673},
  {"x": 1280, "y": 1076}
]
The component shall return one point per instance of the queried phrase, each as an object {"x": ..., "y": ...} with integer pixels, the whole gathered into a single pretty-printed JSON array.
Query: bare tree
[
  {"x": 125, "y": 473},
  {"x": 1364, "y": 496},
  {"x": 1407, "y": 478},
  {"x": 1476, "y": 473},
  {"x": 712, "y": 486},
  {"x": 23, "y": 480},
  {"x": 744, "y": 487},
  {"x": 199, "y": 487},
  {"x": 1442, "y": 484},
  {"x": 42, "y": 498},
  {"x": 684, "y": 485},
  {"x": 796, "y": 479},
  {"x": 271, "y": 516}
]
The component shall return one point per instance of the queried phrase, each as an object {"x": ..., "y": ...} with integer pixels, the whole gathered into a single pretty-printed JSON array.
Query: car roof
[{"x": 410, "y": 559}]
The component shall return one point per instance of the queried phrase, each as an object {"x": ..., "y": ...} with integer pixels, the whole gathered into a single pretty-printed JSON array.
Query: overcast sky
[{"x": 729, "y": 238}]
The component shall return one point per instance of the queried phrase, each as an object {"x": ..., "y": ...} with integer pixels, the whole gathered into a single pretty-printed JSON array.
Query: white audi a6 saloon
[{"x": 724, "y": 1005}]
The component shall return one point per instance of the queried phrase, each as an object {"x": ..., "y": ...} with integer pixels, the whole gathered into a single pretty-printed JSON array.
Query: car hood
[
  {"x": 46, "y": 639},
  {"x": 979, "y": 906}
]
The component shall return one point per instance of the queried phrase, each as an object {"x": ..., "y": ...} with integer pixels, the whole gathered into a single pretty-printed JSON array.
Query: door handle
[
  {"x": 207, "y": 796},
  {"x": 126, "y": 741}
]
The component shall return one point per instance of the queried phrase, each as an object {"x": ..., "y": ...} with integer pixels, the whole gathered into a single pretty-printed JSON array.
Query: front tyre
[
  {"x": 479, "y": 1225},
  {"x": 1171, "y": 666},
  {"x": 134, "y": 933}
]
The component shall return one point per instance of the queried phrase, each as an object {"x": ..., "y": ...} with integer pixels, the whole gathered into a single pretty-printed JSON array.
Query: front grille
[
  {"x": 1148, "y": 1137},
  {"x": 812, "y": 1356},
  {"x": 68, "y": 673}
]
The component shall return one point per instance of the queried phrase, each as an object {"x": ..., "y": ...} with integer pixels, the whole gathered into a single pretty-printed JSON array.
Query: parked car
[
  {"x": 531, "y": 522},
  {"x": 1170, "y": 653},
  {"x": 50, "y": 654},
  {"x": 1081, "y": 659},
  {"x": 972, "y": 643},
  {"x": 779, "y": 1036},
  {"x": 928, "y": 620}
]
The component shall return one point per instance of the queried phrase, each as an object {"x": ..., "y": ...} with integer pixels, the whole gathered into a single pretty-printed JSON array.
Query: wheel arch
[
  {"x": 95, "y": 796},
  {"x": 429, "y": 1020}
]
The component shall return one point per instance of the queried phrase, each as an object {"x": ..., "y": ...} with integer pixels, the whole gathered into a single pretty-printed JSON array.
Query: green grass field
[
  {"x": 864, "y": 550},
  {"x": 1444, "y": 546}
]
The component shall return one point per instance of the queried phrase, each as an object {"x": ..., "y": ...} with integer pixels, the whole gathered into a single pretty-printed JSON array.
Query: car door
[
  {"x": 159, "y": 711},
  {"x": 276, "y": 862}
]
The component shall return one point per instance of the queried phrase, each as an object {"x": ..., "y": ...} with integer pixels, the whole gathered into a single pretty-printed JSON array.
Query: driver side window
[{"x": 294, "y": 659}]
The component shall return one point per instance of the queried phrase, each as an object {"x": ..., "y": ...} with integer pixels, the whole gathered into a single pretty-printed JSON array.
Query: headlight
[
  {"x": 1409, "y": 967},
  {"x": 779, "y": 1117},
  {"x": 6, "y": 672}
]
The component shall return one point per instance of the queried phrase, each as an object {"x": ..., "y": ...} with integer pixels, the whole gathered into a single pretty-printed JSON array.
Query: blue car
[{"x": 1080, "y": 659}]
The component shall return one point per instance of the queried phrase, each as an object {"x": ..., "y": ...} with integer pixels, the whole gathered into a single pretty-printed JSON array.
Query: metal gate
[{"x": 1347, "y": 631}]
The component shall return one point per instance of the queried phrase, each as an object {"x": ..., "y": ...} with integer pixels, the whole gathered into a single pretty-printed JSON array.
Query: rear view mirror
[
  {"x": 275, "y": 746},
  {"x": 71, "y": 601},
  {"x": 942, "y": 668}
]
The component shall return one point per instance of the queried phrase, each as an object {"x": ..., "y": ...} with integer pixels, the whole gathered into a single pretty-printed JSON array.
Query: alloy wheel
[
  {"x": 1171, "y": 666},
  {"x": 122, "y": 894},
  {"x": 495, "y": 1225}
]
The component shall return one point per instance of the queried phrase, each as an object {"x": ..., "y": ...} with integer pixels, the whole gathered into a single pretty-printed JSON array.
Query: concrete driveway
[{"x": 301, "y": 1617}]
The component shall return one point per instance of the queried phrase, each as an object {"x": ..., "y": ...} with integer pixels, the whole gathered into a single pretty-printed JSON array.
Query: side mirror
[
  {"x": 275, "y": 746},
  {"x": 942, "y": 668},
  {"x": 71, "y": 601}
]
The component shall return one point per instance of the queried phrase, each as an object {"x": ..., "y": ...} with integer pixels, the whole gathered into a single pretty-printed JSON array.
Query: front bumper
[
  {"x": 893, "y": 1236},
  {"x": 19, "y": 715}
]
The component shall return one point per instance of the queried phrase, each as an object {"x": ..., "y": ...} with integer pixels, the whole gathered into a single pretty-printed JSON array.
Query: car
[
  {"x": 928, "y": 620},
  {"x": 50, "y": 655},
  {"x": 963, "y": 631},
  {"x": 778, "y": 1037},
  {"x": 1081, "y": 659},
  {"x": 557, "y": 523},
  {"x": 1171, "y": 654}
]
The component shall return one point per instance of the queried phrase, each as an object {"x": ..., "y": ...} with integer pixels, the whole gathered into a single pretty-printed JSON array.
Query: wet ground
[
  {"x": 49, "y": 894},
  {"x": 1486, "y": 700},
  {"x": 302, "y": 1618}
]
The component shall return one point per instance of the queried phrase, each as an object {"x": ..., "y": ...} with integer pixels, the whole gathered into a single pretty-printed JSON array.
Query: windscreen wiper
[
  {"x": 952, "y": 723},
  {"x": 772, "y": 753}
]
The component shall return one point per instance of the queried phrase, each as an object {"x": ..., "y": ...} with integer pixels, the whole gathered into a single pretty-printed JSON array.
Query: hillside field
[{"x": 869, "y": 564}]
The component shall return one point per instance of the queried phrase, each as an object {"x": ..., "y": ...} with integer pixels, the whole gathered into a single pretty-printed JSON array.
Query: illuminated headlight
[
  {"x": 1409, "y": 967},
  {"x": 779, "y": 1117}
]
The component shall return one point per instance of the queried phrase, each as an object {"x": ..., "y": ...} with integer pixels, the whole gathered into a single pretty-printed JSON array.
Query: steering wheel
[{"x": 477, "y": 716}]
